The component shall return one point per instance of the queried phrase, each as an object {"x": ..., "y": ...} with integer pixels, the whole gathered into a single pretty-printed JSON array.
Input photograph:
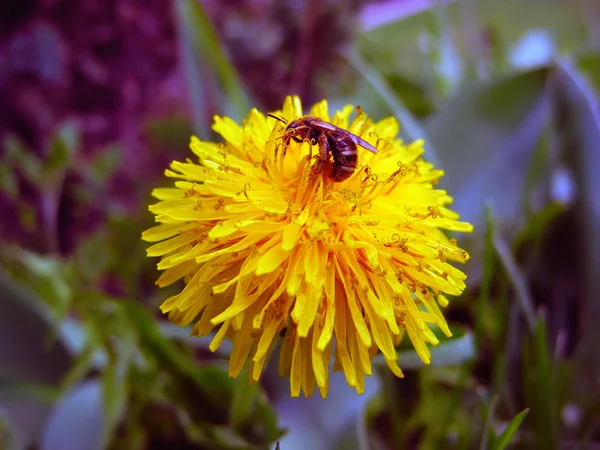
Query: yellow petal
[
  {"x": 230, "y": 130},
  {"x": 290, "y": 236},
  {"x": 320, "y": 110},
  {"x": 296, "y": 373},
  {"x": 327, "y": 332},
  {"x": 356, "y": 314},
  {"x": 271, "y": 260}
]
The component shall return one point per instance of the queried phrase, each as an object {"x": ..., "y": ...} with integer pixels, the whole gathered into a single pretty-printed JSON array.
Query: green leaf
[
  {"x": 490, "y": 410},
  {"x": 589, "y": 64},
  {"x": 412, "y": 93},
  {"x": 62, "y": 147},
  {"x": 539, "y": 386},
  {"x": 115, "y": 377},
  {"x": 208, "y": 389},
  {"x": 445, "y": 55},
  {"x": 539, "y": 169},
  {"x": 29, "y": 351},
  {"x": 390, "y": 23},
  {"x": 11, "y": 437},
  {"x": 408, "y": 124},
  {"x": 190, "y": 64},
  {"x": 245, "y": 395},
  {"x": 82, "y": 363},
  {"x": 8, "y": 182},
  {"x": 225, "y": 413},
  {"x": 170, "y": 132},
  {"x": 537, "y": 223},
  {"x": 251, "y": 414},
  {"x": 18, "y": 390},
  {"x": 577, "y": 110},
  {"x": 48, "y": 276},
  {"x": 105, "y": 164},
  {"x": 16, "y": 155},
  {"x": 488, "y": 265},
  {"x": 517, "y": 279},
  {"x": 485, "y": 138},
  {"x": 93, "y": 257},
  {"x": 504, "y": 439},
  {"x": 211, "y": 52}
]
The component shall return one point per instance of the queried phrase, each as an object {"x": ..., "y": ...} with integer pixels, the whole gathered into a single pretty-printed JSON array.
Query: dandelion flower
[{"x": 271, "y": 249}]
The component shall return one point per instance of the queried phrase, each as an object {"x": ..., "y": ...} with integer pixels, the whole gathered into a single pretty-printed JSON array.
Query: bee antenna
[{"x": 281, "y": 119}]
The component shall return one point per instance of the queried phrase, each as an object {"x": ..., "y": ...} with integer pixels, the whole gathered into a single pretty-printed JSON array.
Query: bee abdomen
[
  {"x": 344, "y": 151},
  {"x": 341, "y": 173},
  {"x": 345, "y": 158}
]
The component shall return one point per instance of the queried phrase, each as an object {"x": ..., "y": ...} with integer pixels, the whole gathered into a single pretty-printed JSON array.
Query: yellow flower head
[{"x": 269, "y": 245}]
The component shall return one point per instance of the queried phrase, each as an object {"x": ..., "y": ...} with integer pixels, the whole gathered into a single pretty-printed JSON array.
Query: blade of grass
[
  {"x": 516, "y": 277},
  {"x": 445, "y": 56},
  {"x": 490, "y": 412},
  {"x": 18, "y": 390},
  {"x": 210, "y": 50},
  {"x": 408, "y": 123},
  {"x": 510, "y": 344},
  {"x": 116, "y": 381},
  {"x": 537, "y": 223},
  {"x": 546, "y": 413},
  {"x": 486, "y": 279},
  {"x": 454, "y": 403},
  {"x": 504, "y": 439},
  {"x": 192, "y": 73}
]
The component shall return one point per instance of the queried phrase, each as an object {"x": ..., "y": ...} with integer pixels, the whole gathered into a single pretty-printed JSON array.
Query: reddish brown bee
[{"x": 331, "y": 139}]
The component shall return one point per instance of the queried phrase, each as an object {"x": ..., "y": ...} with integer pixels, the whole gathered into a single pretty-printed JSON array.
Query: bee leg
[
  {"x": 287, "y": 137},
  {"x": 324, "y": 147},
  {"x": 285, "y": 143},
  {"x": 324, "y": 151}
]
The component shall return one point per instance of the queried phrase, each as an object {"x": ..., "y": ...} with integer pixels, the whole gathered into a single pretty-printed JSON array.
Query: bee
[{"x": 341, "y": 144}]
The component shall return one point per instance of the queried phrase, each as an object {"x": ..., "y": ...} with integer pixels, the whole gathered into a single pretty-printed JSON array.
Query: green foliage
[
  {"x": 504, "y": 439},
  {"x": 250, "y": 413},
  {"x": 140, "y": 367},
  {"x": 577, "y": 118},
  {"x": 411, "y": 128},
  {"x": 200, "y": 44},
  {"x": 502, "y": 133}
]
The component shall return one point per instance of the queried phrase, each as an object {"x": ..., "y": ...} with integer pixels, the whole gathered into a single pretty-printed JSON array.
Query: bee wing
[
  {"x": 322, "y": 125},
  {"x": 326, "y": 126},
  {"x": 362, "y": 143}
]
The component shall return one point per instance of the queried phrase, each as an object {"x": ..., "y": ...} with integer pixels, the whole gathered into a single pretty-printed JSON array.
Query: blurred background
[{"x": 99, "y": 96}]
